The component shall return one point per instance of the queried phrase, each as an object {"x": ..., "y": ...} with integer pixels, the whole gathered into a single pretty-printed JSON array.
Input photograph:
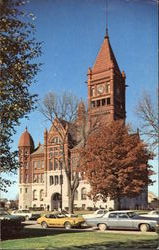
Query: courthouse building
[{"x": 42, "y": 178}]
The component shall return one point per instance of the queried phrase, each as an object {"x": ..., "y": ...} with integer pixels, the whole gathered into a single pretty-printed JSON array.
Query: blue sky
[{"x": 72, "y": 32}]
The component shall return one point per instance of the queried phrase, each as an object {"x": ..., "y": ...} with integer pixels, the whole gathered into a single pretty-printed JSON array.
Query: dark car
[
  {"x": 122, "y": 220},
  {"x": 10, "y": 224},
  {"x": 4, "y": 215}
]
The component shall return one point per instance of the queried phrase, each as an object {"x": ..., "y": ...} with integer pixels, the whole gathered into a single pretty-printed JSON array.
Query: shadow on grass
[
  {"x": 35, "y": 232},
  {"x": 116, "y": 245}
]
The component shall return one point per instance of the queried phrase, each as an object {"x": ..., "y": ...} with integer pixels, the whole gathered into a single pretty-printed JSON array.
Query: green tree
[{"x": 18, "y": 51}]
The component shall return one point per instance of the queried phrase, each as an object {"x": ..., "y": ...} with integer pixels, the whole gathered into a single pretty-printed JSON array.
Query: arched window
[
  {"x": 35, "y": 195},
  {"x": 76, "y": 195},
  {"x": 83, "y": 194},
  {"x": 41, "y": 194}
]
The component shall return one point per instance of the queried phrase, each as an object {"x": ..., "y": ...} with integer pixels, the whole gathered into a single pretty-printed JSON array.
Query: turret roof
[
  {"x": 105, "y": 58},
  {"x": 26, "y": 140}
]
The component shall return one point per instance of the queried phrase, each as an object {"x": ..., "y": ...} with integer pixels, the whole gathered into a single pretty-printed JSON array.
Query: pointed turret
[
  {"x": 106, "y": 86},
  {"x": 105, "y": 59}
]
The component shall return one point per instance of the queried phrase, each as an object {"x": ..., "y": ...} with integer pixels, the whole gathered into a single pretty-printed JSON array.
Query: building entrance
[{"x": 55, "y": 201}]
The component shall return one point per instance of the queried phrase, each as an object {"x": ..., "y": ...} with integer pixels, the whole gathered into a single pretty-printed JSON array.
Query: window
[
  {"x": 92, "y": 91},
  {"x": 83, "y": 194},
  {"x": 42, "y": 178},
  {"x": 37, "y": 164},
  {"x": 26, "y": 190},
  {"x": 113, "y": 215},
  {"x": 20, "y": 190},
  {"x": 56, "y": 140},
  {"x": 55, "y": 164},
  {"x": 42, "y": 164},
  {"x": 103, "y": 102},
  {"x": 26, "y": 178},
  {"x": 122, "y": 216},
  {"x": 51, "y": 180},
  {"x": 98, "y": 103},
  {"x": 107, "y": 88},
  {"x": 35, "y": 178},
  {"x": 35, "y": 195},
  {"x": 93, "y": 104},
  {"x": 108, "y": 101},
  {"x": 50, "y": 165},
  {"x": 41, "y": 194},
  {"x": 56, "y": 179}
]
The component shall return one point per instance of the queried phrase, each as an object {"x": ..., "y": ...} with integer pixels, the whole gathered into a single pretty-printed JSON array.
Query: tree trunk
[{"x": 71, "y": 203}]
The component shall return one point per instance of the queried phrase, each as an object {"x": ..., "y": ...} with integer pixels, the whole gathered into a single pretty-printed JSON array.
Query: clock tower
[{"x": 106, "y": 86}]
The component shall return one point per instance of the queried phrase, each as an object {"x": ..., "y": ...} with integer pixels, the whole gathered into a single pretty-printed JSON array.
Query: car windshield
[{"x": 4, "y": 213}]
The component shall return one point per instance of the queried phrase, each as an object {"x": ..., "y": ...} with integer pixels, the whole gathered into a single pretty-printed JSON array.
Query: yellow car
[{"x": 60, "y": 220}]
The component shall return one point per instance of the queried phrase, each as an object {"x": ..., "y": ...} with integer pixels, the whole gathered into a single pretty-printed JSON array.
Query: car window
[
  {"x": 112, "y": 215},
  {"x": 100, "y": 212},
  {"x": 122, "y": 216}
]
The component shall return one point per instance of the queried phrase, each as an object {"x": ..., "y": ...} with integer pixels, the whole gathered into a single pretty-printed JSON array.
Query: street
[{"x": 34, "y": 225}]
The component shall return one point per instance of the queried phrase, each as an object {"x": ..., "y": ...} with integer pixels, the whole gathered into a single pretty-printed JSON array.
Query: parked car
[
  {"x": 122, "y": 220},
  {"x": 60, "y": 220},
  {"x": 151, "y": 214},
  {"x": 4, "y": 215},
  {"x": 26, "y": 213},
  {"x": 96, "y": 214},
  {"x": 10, "y": 224},
  {"x": 35, "y": 216}
]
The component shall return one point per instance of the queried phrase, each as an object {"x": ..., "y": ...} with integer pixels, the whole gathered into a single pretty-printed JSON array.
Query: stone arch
[{"x": 55, "y": 201}]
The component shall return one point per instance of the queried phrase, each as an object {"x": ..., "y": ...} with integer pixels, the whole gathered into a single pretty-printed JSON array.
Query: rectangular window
[
  {"x": 56, "y": 179},
  {"x": 51, "y": 180},
  {"x": 26, "y": 190},
  {"x": 42, "y": 178},
  {"x": 92, "y": 91},
  {"x": 37, "y": 164},
  {"x": 107, "y": 88},
  {"x": 98, "y": 103},
  {"x": 50, "y": 165},
  {"x": 103, "y": 102},
  {"x": 55, "y": 164},
  {"x": 108, "y": 101},
  {"x": 93, "y": 104},
  {"x": 35, "y": 178},
  {"x": 42, "y": 164}
]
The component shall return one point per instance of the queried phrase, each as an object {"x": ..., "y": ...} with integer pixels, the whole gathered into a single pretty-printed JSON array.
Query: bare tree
[
  {"x": 147, "y": 112},
  {"x": 61, "y": 111}
]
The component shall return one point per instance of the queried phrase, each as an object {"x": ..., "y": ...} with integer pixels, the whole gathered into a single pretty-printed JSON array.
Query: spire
[
  {"x": 105, "y": 58},
  {"x": 106, "y": 34}
]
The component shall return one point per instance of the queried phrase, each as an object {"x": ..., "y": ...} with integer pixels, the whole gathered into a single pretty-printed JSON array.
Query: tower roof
[
  {"x": 26, "y": 140},
  {"x": 105, "y": 58}
]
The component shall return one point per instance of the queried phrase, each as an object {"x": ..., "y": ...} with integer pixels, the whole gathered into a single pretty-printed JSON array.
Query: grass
[{"x": 60, "y": 239}]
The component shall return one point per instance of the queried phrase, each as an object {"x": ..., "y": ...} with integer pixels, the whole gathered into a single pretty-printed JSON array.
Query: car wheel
[
  {"x": 27, "y": 217},
  {"x": 102, "y": 227},
  {"x": 44, "y": 224},
  {"x": 144, "y": 227},
  {"x": 67, "y": 225}
]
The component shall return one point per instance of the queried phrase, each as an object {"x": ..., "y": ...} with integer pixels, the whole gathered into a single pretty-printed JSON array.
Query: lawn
[{"x": 80, "y": 240}]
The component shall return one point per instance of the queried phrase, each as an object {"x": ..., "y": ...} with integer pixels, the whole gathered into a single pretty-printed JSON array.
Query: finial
[
  {"x": 106, "y": 34},
  {"x": 26, "y": 129}
]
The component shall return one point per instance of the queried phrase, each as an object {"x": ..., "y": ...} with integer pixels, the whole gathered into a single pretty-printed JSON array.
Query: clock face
[{"x": 100, "y": 89}]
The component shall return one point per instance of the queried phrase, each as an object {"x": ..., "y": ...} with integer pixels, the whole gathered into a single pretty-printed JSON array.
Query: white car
[
  {"x": 96, "y": 214},
  {"x": 152, "y": 214},
  {"x": 25, "y": 213}
]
